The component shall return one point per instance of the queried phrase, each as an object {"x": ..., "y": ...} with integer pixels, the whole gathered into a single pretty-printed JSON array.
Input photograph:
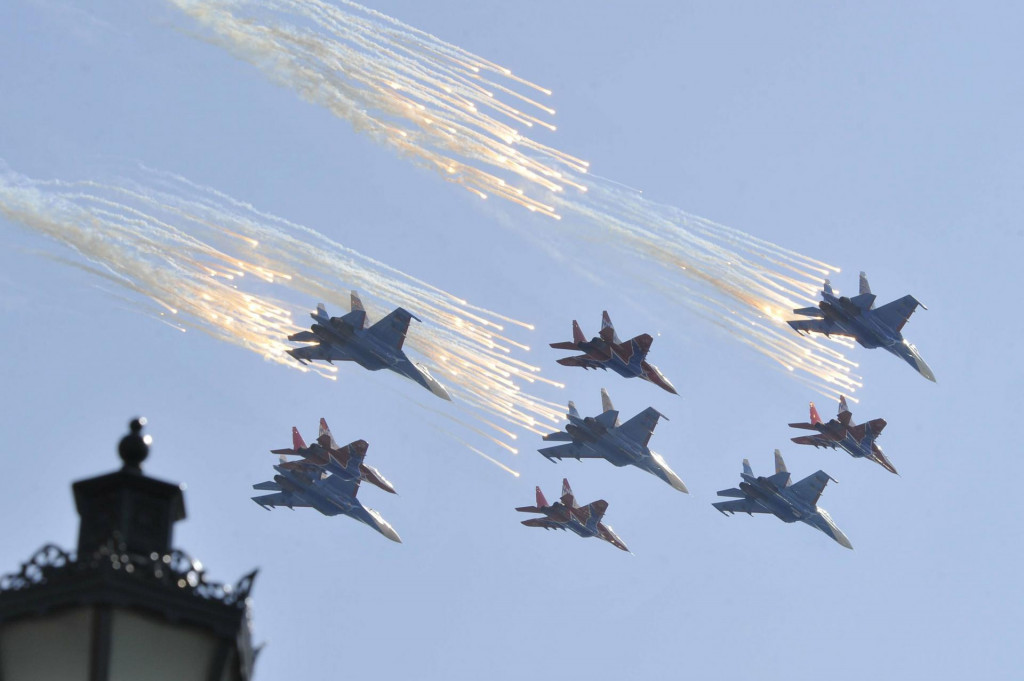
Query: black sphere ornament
[{"x": 134, "y": 447}]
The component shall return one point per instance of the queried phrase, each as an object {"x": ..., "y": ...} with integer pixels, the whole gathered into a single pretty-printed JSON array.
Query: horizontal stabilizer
[
  {"x": 565, "y": 345},
  {"x": 529, "y": 509},
  {"x": 560, "y": 436},
  {"x": 808, "y": 312}
]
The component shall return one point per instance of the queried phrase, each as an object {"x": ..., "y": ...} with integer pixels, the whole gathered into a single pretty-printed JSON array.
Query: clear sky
[{"x": 879, "y": 138}]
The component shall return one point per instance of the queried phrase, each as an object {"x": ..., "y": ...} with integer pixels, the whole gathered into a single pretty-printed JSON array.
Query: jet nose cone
[
  {"x": 914, "y": 359},
  {"x": 843, "y": 541},
  {"x": 667, "y": 474}
]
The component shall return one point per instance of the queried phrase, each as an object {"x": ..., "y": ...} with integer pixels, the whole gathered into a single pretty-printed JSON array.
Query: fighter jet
[
  {"x": 378, "y": 347},
  {"x": 345, "y": 462},
  {"x": 606, "y": 351},
  {"x": 790, "y": 502},
  {"x": 602, "y": 437},
  {"x": 841, "y": 433},
  {"x": 305, "y": 486},
  {"x": 566, "y": 514},
  {"x": 858, "y": 318}
]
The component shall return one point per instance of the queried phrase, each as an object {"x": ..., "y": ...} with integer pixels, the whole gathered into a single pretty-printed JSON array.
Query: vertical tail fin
[
  {"x": 608, "y": 329},
  {"x": 577, "y": 333},
  {"x": 297, "y": 442},
  {"x": 572, "y": 409},
  {"x": 864, "y": 286},
  {"x": 324, "y": 430},
  {"x": 827, "y": 288},
  {"x": 746, "y": 468},
  {"x": 815, "y": 419},
  {"x": 321, "y": 312},
  {"x": 842, "y": 404},
  {"x": 567, "y": 499},
  {"x": 606, "y": 401},
  {"x": 780, "y": 465},
  {"x": 541, "y": 501},
  {"x": 356, "y": 304},
  {"x": 565, "y": 487}
]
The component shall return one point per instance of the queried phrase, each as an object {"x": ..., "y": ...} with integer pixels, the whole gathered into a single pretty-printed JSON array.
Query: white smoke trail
[
  {"x": 448, "y": 110},
  {"x": 219, "y": 266}
]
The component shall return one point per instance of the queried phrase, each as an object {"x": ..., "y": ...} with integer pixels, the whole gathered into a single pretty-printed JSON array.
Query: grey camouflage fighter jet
[
  {"x": 348, "y": 339},
  {"x": 603, "y": 437},
  {"x": 787, "y": 501},
  {"x": 306, "y": 486},
  {"x": 859, "y": 319}
]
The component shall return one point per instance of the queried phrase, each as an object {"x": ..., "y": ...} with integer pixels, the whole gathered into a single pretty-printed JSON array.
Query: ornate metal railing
[{"x": 177, "y": 570}]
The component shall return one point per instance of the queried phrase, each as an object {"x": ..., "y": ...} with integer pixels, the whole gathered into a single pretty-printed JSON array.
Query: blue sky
[{"x": 873, "y": 137}]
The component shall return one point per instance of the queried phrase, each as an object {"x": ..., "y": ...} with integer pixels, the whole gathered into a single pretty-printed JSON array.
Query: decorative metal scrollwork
[{"x": 178, "y": 570}]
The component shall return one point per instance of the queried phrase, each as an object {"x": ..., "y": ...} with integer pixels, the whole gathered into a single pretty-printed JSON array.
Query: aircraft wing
[
  {"x": 581, "y": 361},
  {"x": 570, "y": 451},
  {"x": 269, "y": 501},
  {"x": 746, "y": 505},
  {"x": 392, "y": 329},
  {"x": 895, "y": 314},
  {"x": 641, "y": 426},
  {"x": 810, "y": 488}
]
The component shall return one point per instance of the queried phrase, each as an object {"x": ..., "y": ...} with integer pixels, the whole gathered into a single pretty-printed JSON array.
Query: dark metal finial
[{"x": 134, "y": 447}]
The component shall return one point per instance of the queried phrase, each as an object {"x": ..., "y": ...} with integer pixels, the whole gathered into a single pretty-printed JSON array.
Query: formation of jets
[{"x": 326, "y": 477}]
